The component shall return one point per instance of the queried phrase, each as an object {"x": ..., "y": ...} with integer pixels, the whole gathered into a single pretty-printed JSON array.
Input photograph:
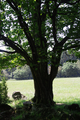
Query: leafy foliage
[
  {"x": 36, "y": 27},
  {"x": 3, "y": 91}
]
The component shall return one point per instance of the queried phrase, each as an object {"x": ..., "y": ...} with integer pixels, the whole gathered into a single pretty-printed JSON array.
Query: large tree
[{"x": 36, "y": 32}]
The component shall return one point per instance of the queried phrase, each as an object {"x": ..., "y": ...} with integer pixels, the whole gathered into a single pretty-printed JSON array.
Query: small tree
[{"x": 3, "y": 90}]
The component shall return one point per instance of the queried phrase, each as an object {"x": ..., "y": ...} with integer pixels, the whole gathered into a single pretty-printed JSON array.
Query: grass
[
  {"x": 26, "y": 87},
  {"x": 66, "y": 90}
]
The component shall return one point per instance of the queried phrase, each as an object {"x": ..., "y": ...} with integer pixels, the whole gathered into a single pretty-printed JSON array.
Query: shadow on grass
[
  {"x": 70, "y": 102},
  {"x": 60, "y": 111}
]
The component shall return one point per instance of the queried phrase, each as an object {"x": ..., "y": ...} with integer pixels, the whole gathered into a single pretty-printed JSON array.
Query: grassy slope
[{"x": 66, "y": 90}]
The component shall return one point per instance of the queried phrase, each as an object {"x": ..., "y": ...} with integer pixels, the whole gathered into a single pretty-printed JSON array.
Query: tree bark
[
  {"x": 43, "y": 89},
  {"x": 43, "y": 82}
]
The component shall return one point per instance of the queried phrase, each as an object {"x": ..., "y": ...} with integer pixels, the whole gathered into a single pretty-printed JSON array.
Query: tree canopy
[
  {"x": 36, "y": 32},
  {"x": 34, "y": 28}
]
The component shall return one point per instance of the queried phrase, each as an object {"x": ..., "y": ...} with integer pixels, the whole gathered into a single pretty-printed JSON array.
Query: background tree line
[
  {"x": 69, "y": 69},
  {"x": 70, "y": 66},
  {"x": 66, "y": 69},
  {"x": 18, "y": 73}
]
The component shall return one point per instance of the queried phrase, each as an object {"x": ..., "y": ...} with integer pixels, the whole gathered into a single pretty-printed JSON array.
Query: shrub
[{"x": 3, "y": 91}]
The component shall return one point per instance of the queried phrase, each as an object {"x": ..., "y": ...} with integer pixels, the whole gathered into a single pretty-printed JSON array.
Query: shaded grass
[{"x": 66, "y": 90}]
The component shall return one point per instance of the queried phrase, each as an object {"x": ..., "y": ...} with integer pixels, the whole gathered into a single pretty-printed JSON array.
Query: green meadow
[{"x": 66, "y": 90}]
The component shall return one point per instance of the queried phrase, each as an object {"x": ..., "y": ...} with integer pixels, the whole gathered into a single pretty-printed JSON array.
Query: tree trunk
[
  {"x": 43, "y": 81},
  {"x": 43, "y": 89}
]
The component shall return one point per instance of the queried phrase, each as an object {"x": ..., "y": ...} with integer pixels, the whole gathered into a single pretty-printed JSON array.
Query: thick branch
[
  {"x": 15, "y": 47},
  {"x": 12, "y": 5},
  {"x": 55, "y": 60},
  {"x": 38, "y": 7},
  {"x": 47, "y": 5},
  {"x": 54, "y": 28},
  {"x": 64, "y": 40},
  {"x": 8, "y": 51},
  {"x": 24, "y": 26},
  {"x": 54, "y": 20}
]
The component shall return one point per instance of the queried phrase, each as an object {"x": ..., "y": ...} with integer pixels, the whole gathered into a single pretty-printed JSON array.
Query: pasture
[{"x": 66, "y": 90}]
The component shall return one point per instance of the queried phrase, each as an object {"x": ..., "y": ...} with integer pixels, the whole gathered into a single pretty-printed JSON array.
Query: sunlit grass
[
  {"x": 66, "y": 90},
  {"x": 26, "y": 87}
]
